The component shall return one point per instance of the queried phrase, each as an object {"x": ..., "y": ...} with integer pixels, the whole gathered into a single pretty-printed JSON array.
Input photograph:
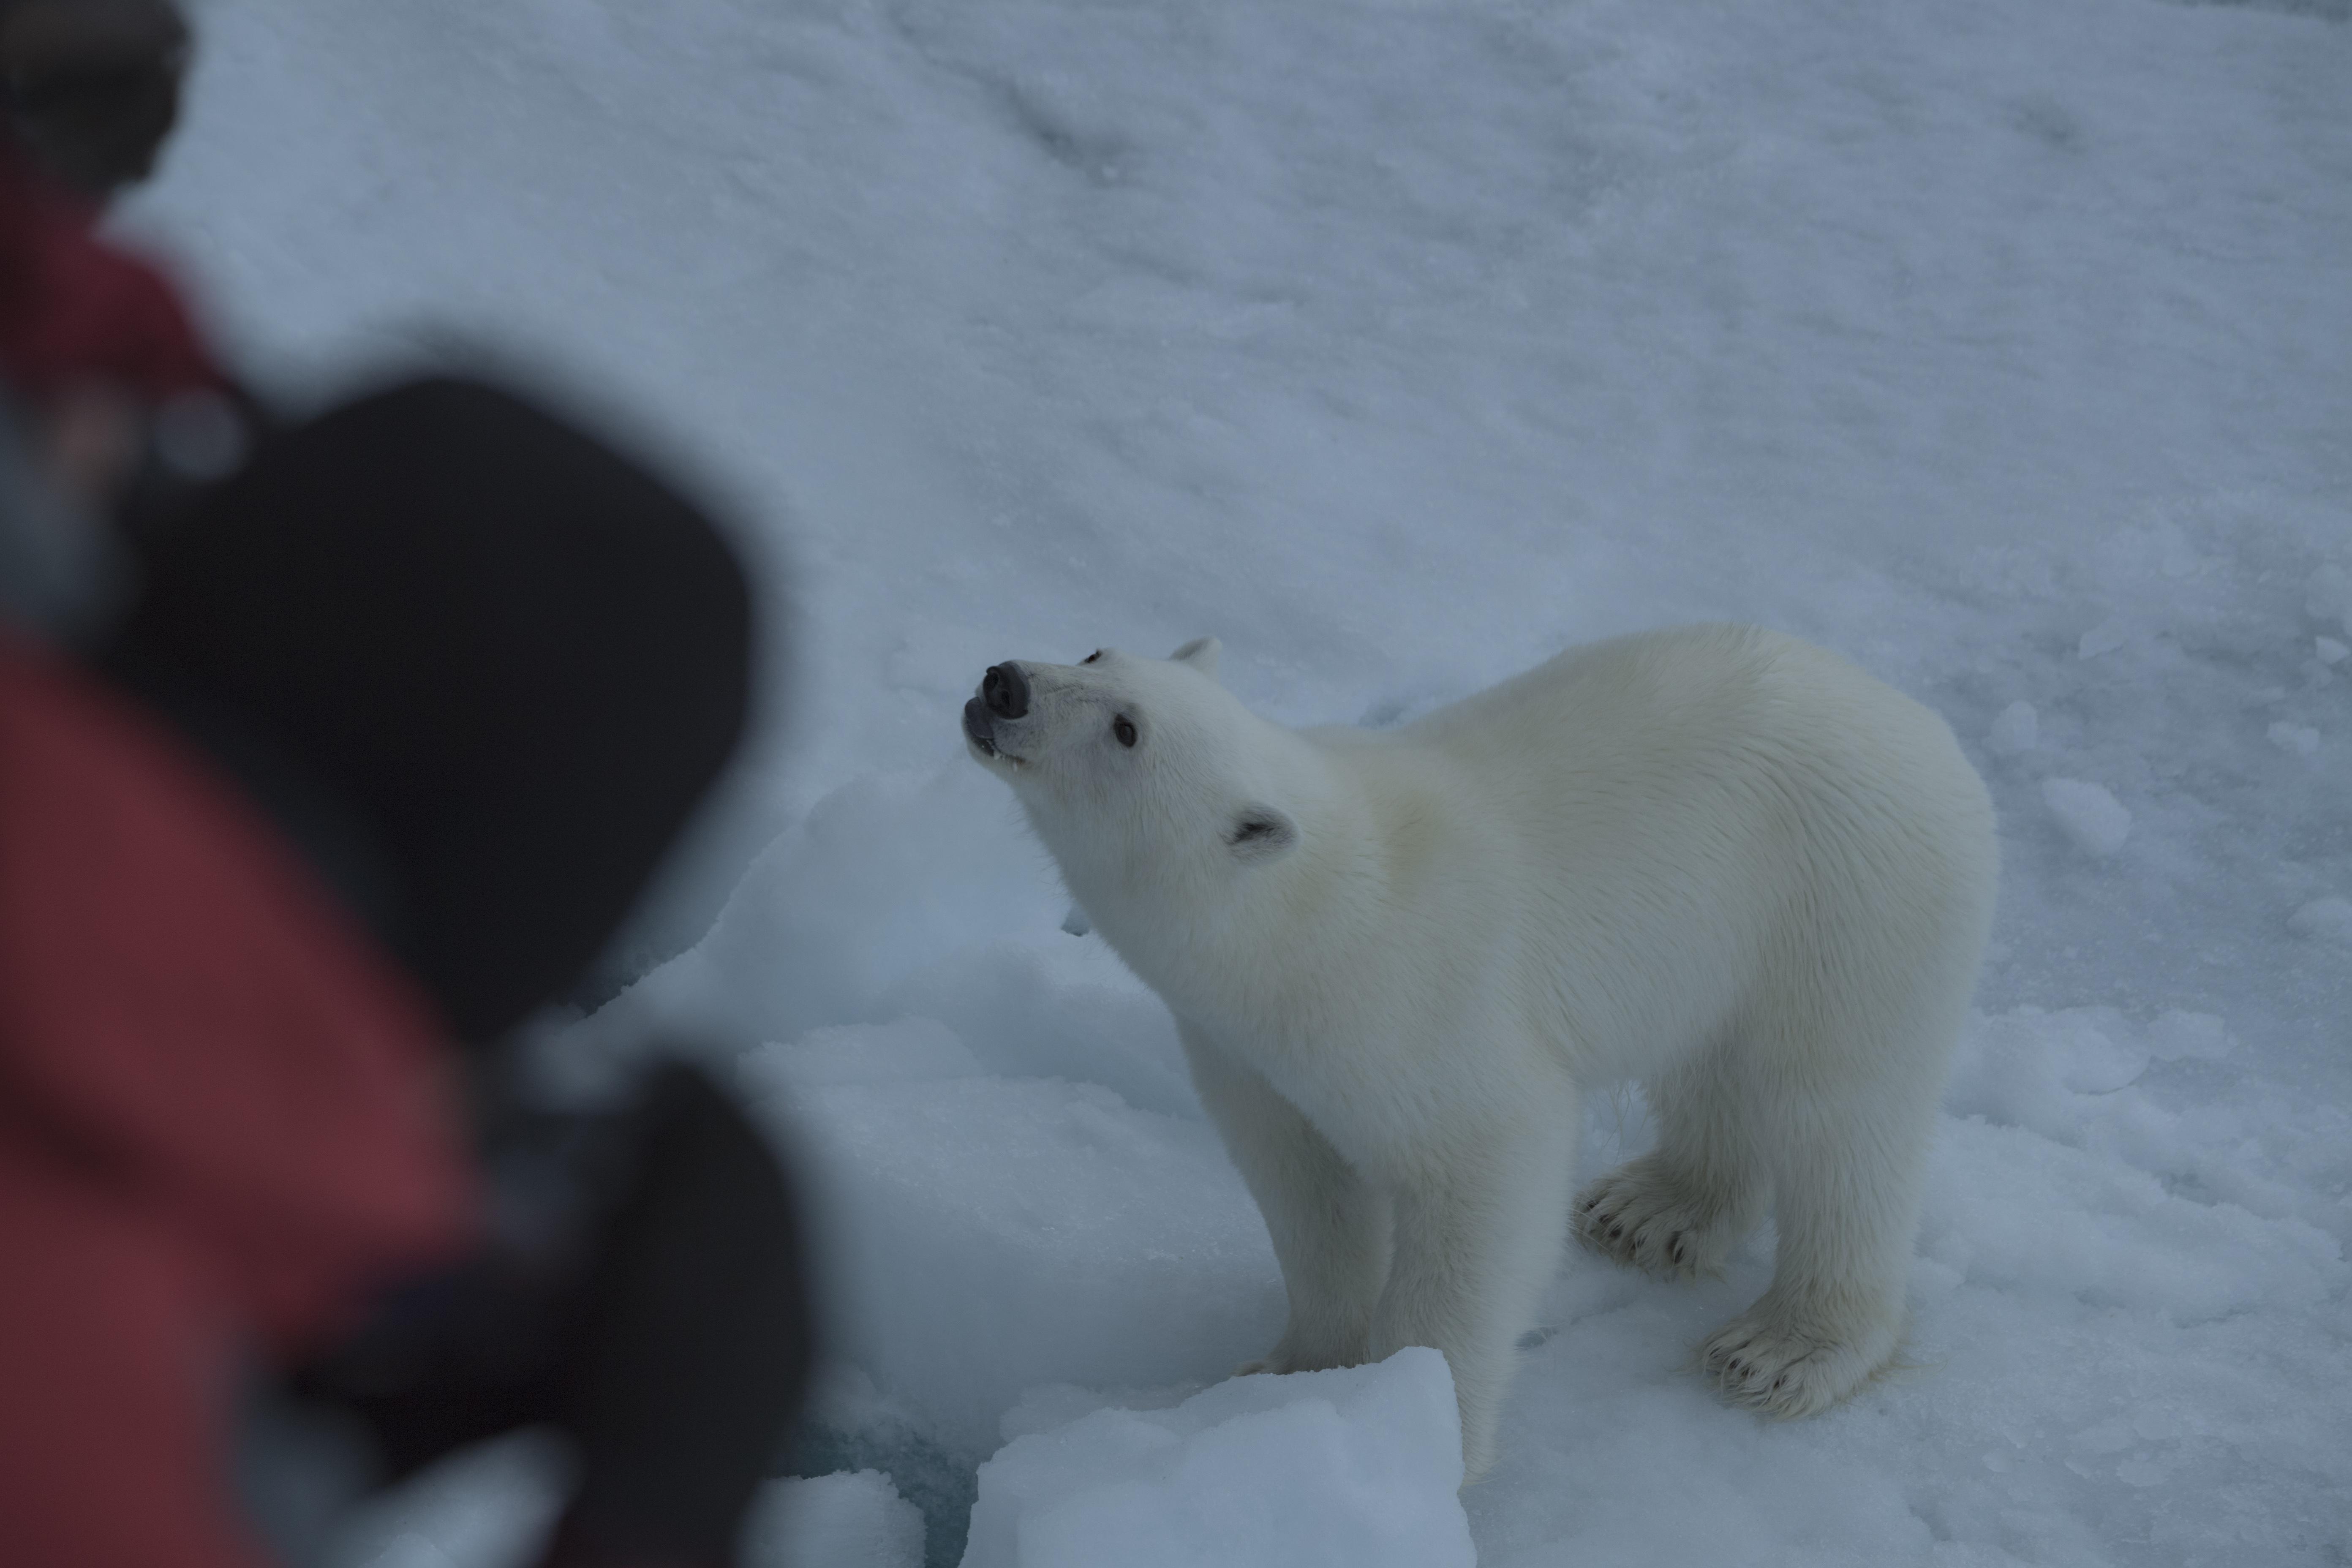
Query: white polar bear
[{"x": 1713, "y": 859}]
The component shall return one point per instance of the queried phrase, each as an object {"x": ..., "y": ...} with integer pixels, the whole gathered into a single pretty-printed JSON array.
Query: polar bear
[{"x": 1714, "y": 860}]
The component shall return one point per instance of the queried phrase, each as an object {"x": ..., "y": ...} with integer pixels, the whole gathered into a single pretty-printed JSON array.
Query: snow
[
  {"x": 1356, "y": 1468},
  {"x": 2015, "y": 729},
  {"x": 2103, "y": 639},
  {"x": 2300, "y": 739},
  {"x": 2324, "y": 920},
  {"x": 494, "y": 1504},
  {"x": 2001, "y": 347},
  {"x": 2330, "y": 592}
]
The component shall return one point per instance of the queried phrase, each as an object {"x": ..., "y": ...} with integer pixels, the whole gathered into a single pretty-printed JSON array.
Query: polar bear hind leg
[
  {"x": 1820, "y": 1108},
  {"x": 1846, "y": 1115}
]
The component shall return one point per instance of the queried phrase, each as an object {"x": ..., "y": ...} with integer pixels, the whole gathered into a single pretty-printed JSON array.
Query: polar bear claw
[
  {"x": 1644, "y": 1219},
  {"x": 1790, "y": 1371}
]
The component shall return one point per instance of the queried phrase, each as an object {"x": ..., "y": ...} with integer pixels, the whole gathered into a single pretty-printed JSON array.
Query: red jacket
[
  {"x": 76, "y": 309},
  {"x": 223, "y": 1117}
]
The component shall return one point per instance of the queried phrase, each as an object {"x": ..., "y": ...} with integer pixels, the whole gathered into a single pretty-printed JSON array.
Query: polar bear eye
[
  {"x": 1092, "y": 657},
  {"x": 1124, "y": 729}
]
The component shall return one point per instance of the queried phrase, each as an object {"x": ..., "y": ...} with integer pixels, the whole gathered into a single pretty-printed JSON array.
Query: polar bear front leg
[
  {"x": 1331, "y": 1229},
  {"x": 1479, "y": 1229}
]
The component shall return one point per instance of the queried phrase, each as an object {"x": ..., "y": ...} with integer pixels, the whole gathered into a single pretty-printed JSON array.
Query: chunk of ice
[
  {"x": 2091, "y": 816},
  {"x": 980, "y": 1235},
  {"x": 1356, "y": 1468},
  {"x": 854, "y": 1519}
]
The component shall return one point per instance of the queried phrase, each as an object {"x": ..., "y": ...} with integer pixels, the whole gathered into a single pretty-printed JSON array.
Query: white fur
[{"x": 1713, "y": 860}]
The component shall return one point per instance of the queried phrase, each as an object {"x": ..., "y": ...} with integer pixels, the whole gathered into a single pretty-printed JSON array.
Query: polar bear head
[{"x": 1141, "y": 775}]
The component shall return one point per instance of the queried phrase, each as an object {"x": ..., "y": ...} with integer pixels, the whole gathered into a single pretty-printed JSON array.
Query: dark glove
[
  {"x": 694, "y": 1349},
  {"x": 643, "y": 1292}
]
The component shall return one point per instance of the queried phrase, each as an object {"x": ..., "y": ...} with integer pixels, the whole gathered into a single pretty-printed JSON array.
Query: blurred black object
[
  {"x": 695, "y": 1337},
  {"x": 639, "y": 1292},
  {"x": 511, "y": 658},
  {"x": 479, "y": 668},
  {"x": 93, "y": 86}
]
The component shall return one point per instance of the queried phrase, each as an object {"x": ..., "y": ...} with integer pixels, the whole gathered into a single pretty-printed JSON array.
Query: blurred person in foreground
[{"x": 329, "y": 753}]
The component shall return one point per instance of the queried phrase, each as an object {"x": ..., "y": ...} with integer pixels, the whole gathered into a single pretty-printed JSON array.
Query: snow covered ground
[{"x": 2005, "y": 347}]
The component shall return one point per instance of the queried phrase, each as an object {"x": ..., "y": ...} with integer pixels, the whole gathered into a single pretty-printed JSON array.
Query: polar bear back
[{"x": 1675, "y": 814}]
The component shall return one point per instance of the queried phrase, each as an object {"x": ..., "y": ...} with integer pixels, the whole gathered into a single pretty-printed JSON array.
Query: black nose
[{"x": 1005, "y": 690}]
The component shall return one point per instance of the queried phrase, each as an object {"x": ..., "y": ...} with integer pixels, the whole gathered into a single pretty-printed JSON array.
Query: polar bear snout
[
  {"x": 1004, "y": 693},
  {"x": 1004, "y": 690}
]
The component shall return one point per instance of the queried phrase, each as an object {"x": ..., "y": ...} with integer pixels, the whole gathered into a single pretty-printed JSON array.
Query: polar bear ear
[
  {"x": 1260, "y": 835},
  {"x": 1200, "y": 653}
]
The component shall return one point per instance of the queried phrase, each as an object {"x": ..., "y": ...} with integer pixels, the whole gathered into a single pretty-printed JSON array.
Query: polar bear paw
[
  {"x": 1790, "y": 1372},
  {"x": 1639, "y": 1217}
]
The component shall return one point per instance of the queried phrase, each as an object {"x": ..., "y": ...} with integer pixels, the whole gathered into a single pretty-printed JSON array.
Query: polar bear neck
[{"x": 1193, "y": 918}]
